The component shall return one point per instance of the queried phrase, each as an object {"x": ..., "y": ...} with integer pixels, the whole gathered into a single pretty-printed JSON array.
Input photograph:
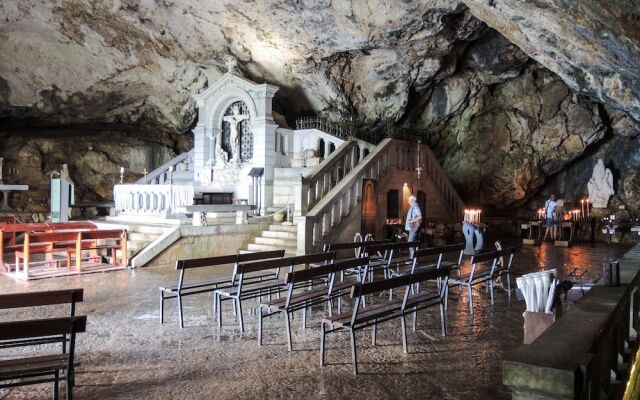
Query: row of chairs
[{"x": 48, "y": 365}]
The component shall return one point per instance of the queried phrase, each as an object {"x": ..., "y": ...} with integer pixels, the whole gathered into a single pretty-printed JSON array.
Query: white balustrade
[{"x": 152, "y": 199}]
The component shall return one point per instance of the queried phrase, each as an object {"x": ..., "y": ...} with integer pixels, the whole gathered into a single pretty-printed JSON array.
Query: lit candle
[
  {"x": 479, "y": 214},
  {"x": 582, "y": 208},
  {"x": 587, "y": 208}
]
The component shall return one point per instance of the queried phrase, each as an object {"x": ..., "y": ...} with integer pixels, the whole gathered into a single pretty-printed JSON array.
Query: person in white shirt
[
  {"x": 549, "y": 209},
  {"x": 414, "y": 216}
]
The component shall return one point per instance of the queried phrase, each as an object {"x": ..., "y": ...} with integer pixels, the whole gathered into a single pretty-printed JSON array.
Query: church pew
[
  {"x": 72, "y": 242},
  {"x": 12, "y": 230},
  {"x": 89, "y": 241}
]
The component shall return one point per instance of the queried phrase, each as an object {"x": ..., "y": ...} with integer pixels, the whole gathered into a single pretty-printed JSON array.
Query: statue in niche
[
  {"x": 600, "y": 185},
  {"x": 234, "y": 121}
]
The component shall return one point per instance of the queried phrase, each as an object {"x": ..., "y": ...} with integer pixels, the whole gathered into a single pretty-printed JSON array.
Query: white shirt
[{"x": 551, "y": 206}]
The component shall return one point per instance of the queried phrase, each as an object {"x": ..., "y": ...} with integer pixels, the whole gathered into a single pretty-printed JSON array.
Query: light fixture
[{"x": 419, "y": 168}]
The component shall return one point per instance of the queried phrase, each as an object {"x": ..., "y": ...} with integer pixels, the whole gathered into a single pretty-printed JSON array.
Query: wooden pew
[
  {"x": 241, "y": 290},
  {"x": 71, "y": 242},
  {"x": 373, "y": 314},
  {"x": 305, "y": 295},
  {"x": 12, "y": 230},
  {"x": 41, "y": 368},
  {"x": 391, "y": 255},
  {"x": 488, "y": 274},
  {"x": 37, "y": 299},
  {"x": 187, "y": 289},
  {"x": 89, "y": 241}
]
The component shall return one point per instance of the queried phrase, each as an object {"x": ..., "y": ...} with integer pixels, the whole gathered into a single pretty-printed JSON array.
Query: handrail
[
  {"x": 328, "y": 162},
  {"x": 348, "y": 181},
  {"x": 334, "y": 205},
  {"x": 161, "y": 170}
]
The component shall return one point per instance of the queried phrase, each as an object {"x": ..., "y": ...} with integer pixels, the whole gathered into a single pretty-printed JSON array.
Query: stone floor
[{"x": 127, "y": 354}]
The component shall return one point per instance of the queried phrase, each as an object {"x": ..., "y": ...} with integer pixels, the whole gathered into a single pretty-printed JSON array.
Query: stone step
[
  {"x": 283, "y": 228},
  {"x": 133, "y": 247},
  {"x": 280, "y": 234},
  {"x": 142, "y": 237},
  {"x": 148, "y": 229},
  {"x": 276, "y": 241},
  {"x": 268, "y": 247}
]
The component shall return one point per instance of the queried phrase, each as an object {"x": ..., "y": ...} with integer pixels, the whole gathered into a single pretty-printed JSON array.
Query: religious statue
[
  {"x": 234, "y": 121},
  {"x": 600, "y": 185},
  {"x": 64, "y": 174},
  {"x": 221, "y": 157}
]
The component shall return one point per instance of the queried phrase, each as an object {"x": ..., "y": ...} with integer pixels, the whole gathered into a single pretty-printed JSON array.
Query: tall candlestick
[{"x": 587, "y": 208}]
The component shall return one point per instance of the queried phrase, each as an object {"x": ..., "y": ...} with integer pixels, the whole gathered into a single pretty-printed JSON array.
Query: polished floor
[{"x": 127, "y": 354}]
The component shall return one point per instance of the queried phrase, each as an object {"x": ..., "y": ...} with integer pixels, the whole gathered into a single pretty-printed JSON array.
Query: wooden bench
[
  {"x": 89, "y": 240},
  {"x": 486, "y": 275},
  {"x": 361, "y": 317},
  {"x": 37, "y": 299},
  {"x": 301, "y": 294},
  {"x": 241, "y": 290},
  {"x": 358, "y": 247},
  {"x": 72, "y": 243},
  {"x": 391, "y": 256},
  {"x": 11, "y": 232},
  {"x": 41, "y": 368},
  {"x": 183, "y": 289}
]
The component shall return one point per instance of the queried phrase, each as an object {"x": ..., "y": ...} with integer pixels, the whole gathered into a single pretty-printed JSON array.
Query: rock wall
[
  {"x": 94, "y": 163},
  {"x": 506, "y": 110}
]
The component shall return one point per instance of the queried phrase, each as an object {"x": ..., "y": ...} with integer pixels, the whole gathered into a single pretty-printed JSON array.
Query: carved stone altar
[
  {"x": 235, "y": 132},
  {"x": 600, "y": 185}
]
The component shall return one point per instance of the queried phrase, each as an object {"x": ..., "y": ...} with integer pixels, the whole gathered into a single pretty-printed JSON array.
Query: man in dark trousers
[{"x": 414, "y": 216}]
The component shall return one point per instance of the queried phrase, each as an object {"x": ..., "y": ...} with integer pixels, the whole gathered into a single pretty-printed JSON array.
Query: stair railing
[
  {"x": 161, "y": 174},
  {"x": 336, "y": 203}
]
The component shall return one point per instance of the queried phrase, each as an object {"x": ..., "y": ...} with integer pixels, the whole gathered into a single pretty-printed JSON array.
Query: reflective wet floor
[{"x": 127, "y": 354}]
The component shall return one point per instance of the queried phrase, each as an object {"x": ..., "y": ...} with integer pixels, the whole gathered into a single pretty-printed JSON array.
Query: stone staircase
[
  {"x": 139, "y": 235},
  {"x": 277, "y": 237}
]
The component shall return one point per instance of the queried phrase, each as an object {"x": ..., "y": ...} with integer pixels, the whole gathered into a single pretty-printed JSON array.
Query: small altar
[{"x": 6, "y": 191}]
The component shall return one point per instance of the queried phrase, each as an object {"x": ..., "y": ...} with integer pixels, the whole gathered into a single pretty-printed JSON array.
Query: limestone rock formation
[
  {"x": 506, "y": 110},
  {"x": 503, "y": 124},
  {"x": 136, "y": 63},
  {"x": 593, "y": 45},
  {"x": 94, "y": 164}
]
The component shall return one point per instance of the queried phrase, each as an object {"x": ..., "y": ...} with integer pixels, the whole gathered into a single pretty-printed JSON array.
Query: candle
[
  {"x": 587, "y": 207},
  {"x": 122, "y": 170},
  {"x": 582, "y": 208}
]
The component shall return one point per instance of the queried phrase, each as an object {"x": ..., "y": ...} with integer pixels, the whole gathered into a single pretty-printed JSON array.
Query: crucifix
[{"x": 234, "y": 121}]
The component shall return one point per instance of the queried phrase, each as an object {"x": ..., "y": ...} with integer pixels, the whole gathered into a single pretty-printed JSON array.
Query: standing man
[
  {"x": 414, "y": 216},
  {"x": 549, "y": 209}
]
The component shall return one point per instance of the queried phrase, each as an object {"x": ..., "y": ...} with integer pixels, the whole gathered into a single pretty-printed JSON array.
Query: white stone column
[
  {"x": 199, "y": 151},
  {"x": 264, "y": 156}
]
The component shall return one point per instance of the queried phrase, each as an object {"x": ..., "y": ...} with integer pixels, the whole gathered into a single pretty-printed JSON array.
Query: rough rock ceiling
[
  {"x": 594, "y": 45},
  {"x": 500, "y": 121}
]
